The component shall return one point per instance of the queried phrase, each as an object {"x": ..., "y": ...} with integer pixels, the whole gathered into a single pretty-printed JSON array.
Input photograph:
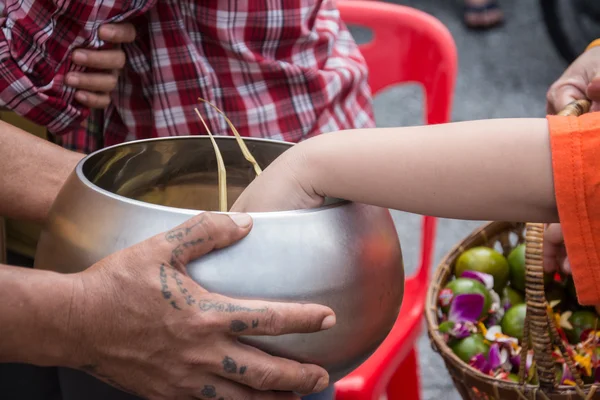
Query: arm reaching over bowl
[
  {"x": 467, "y": 170},
  {"x": 505, "y": 169}
]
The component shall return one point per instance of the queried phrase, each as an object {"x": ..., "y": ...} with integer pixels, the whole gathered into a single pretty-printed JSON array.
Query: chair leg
[{"x": 405, "y": 384}]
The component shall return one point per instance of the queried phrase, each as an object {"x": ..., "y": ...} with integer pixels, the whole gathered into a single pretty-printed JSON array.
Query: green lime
[
  {"x": 516, "y": 262},
  {"x": 469, "y": 286},
  {"x": 514, "y": 320},
  {"x": 487, "y": 260},
  {"x": 511, "y": 297},
  {"x": 581, "y": 322},
  {"x": 470, "y": 346},
  {"x": 513, "y": 377}
]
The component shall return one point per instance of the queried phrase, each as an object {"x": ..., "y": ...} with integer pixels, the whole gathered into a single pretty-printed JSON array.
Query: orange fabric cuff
[
  {"x": 575, "y": 144},
  {"x": 594, "y": 43}
]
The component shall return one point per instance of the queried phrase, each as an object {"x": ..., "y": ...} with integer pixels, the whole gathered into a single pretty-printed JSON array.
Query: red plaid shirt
[{"x": 279, "y": 71}]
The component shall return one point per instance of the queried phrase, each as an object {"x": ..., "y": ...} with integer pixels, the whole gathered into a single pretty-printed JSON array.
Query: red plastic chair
[{"x": 407, "y": 46}]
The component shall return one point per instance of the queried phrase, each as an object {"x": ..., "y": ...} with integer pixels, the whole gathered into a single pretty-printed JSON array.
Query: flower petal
[
  {"x": 492, "y": 331},
  {"x": 461, "y": 331},
  {"x": 554, "y": 303},
  {"x": 529, "y": 360},
  {"x": 466, "y": 307},
  {"x": 486, "y": 279},
  {"x": 566, "y": 374},
  {"x": 496, "y": 306},
  {"x": 564, "y": 320},
  {"x": 480, "y": 363},
  {"x": 516, "y": 361},
  {"x": 494, "y": 357}
]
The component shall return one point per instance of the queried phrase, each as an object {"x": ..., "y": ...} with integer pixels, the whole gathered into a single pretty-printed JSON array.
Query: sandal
[{"x": 483, "y": 16}]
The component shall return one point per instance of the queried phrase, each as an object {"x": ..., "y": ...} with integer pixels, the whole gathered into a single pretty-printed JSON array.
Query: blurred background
[{"x": 503, "y": 72}]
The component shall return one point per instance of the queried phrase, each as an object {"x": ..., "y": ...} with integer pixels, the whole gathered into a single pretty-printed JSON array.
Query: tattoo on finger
[
  {"x": 238, "y": 326},
  {"x": 178, "y": 234},
  {"x": 164, "y": 288},
  {"x": 209, "y": 392},
  {"x": 221, "y": 306},
  {"x": 230, "y": 366}
]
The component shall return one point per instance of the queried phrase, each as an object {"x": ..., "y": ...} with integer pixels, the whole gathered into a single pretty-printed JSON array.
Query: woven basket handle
[{"x": 539, "y": 324}]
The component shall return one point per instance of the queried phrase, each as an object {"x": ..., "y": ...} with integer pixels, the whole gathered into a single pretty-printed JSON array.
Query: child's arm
[
  {"x": 512, "y": 169},
  {"x": 486, "y": 170}
]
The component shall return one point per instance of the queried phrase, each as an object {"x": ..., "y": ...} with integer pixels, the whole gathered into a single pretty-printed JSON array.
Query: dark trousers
[{"x": 27, "y": 382}]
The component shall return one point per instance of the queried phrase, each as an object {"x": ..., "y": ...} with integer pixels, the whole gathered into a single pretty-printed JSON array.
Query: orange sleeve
[{"x": 575, "y": 144}]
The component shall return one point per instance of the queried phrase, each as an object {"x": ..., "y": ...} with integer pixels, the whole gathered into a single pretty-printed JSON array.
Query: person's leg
[
  {"x": 77, "y": 385},
  {"x": 327, "y": 394},
  {"x": 482, "y": 14},
  {"x": 22, "y": 381}
]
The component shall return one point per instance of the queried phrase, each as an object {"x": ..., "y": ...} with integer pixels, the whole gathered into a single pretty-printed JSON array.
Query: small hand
[
  {"x": 141, "y": 324},
  {"x": 95, "y": 87},
  {"x": 282, "y": 186},
  {"x": 580, "y": 81},
  {"x": 554, "y": 251}
]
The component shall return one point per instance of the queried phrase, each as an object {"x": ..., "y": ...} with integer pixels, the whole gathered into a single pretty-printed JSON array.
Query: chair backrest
[{"x": 407, "y": 46}]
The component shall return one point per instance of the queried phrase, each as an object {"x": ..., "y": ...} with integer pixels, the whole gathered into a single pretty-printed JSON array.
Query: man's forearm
[
  {"x": 32, "y": 171},
  {"x": 34, "y": 317}
]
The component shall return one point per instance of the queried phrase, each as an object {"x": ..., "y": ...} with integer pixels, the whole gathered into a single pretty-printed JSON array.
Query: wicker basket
[{"x": 471, "y": 383}]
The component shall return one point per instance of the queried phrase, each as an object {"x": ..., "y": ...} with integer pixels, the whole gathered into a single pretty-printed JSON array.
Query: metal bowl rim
[{"x": 186, "y": 211}]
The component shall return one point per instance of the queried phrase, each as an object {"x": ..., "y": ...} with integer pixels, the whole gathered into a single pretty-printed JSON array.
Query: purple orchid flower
[
  {"x": 486, "y": 279},
  {"x": 464, "y": 313},
  {"x": 466, "y": 308},
  {"x": 515, "y": 360},
  {"x": 567, "y": 375},
  {"x": 498, "y": 357},
  {"x": 480, "y": 363}
]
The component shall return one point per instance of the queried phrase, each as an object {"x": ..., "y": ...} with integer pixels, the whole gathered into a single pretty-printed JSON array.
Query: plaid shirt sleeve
[{"x": 36, "y": 41}]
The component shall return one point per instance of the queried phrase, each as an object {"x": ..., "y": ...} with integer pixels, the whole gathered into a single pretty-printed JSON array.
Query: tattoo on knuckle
[
  {"x": 229, "y": 365},
  {"x": 238, "y": 326},
  {"x": 209, "y": 391}
]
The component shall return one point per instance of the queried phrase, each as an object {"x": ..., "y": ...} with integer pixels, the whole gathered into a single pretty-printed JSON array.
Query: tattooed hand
[{"x": 143, "y": 326}]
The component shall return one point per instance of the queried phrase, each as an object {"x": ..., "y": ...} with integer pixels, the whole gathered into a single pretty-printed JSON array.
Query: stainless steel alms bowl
[{"x": 343, "y": 255}]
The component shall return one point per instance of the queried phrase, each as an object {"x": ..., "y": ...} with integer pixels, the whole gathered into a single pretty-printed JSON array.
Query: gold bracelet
[{"x": 595, "y": 43}]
